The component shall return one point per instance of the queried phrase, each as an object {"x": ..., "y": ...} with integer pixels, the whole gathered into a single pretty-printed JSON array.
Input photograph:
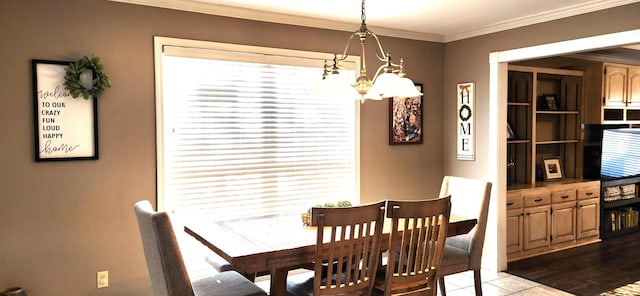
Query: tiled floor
[
  {"x": 497, "y": 284},
  {"x": 493, "y": 284}
]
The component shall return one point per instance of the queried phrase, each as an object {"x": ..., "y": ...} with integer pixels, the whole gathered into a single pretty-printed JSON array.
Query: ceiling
[{"x": 429, "y": 20}]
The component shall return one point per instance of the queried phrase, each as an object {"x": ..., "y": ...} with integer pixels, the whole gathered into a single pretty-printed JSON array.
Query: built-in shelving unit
[
  {"x": 544, "y": 113},
  {"x": 620, "y": 206}
]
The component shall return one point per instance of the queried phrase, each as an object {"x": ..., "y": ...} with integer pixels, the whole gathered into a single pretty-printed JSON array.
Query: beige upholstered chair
[
  {"x": 416, "y": 243},
  {"x": 469, "y": 197},
  {"x": 347, "y": 251},
  {"x": 166, "y": 267}
]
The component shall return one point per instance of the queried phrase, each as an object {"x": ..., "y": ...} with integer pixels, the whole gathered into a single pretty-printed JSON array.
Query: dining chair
[
  {"x": 416, "y": 242},
  {"x": 469, "y": 197},
  {"x": 346, "y": 253},
  {"x": 166, "y": 267}
]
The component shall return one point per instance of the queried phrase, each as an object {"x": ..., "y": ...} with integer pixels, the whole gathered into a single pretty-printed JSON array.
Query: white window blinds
[{"x": 243, "y": 137}]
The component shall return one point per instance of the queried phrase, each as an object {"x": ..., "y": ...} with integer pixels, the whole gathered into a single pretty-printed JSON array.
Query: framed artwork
[
  {"x": 65, "y": 128},
  {"x": 550, "y": 102},
  {"x": 510, "y": 134},
  {"x": 552, "y": 169},
  {"x": 405, "y": 119}
]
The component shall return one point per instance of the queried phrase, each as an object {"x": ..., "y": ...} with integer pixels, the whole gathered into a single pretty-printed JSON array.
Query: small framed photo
[
  {"x": 552, "y": 169},
  {"x": 510, "y": 134},
  {"x": 550, "y": 102},
  {"x": 405, "y": 119}
]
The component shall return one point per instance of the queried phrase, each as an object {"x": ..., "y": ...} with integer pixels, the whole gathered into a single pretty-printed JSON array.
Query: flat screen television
[
  {"x": 620, "y": 153},
  {"x": 592, "y": 153}
]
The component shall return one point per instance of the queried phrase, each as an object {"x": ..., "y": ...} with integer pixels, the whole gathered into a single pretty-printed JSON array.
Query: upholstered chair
[
  {"x": 167, "y": 271},
  {"x": 469, "y": 197}
]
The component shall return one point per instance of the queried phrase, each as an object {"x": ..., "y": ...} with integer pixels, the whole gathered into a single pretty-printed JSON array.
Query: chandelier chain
[{"x": 363, "y": 16}]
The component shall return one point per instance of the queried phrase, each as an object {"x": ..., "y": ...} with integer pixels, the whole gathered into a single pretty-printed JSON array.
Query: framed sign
[
  {"x": 65, "y": 127},
  {"x": 405, "y": 119},
  {"x": 466, "y": 122}
]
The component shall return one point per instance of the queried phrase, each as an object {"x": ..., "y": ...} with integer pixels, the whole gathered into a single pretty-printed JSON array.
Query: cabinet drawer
[
  {"x": 537, "y": 199},
  {"x": 588, "y": 193},
  {"x": 561, "y": 196},
  {"x": 514, "y": 201}
]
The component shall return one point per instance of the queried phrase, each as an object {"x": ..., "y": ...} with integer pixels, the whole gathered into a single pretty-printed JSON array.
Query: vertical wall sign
[
  {"x": 466, "y": 127},
  {"x": 65, "y": 128}
]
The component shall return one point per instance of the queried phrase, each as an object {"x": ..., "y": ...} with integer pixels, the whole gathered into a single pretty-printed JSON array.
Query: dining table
[{"x": 275, "y": 244}]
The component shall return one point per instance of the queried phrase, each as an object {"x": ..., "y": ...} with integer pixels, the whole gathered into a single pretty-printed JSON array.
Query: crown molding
[
  {"x": 250, "y": 14},
  {"x": 574, "y": 10}
]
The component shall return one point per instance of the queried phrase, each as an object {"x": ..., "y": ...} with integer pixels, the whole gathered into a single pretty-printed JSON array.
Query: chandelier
[{"x": 389, "y": 80}]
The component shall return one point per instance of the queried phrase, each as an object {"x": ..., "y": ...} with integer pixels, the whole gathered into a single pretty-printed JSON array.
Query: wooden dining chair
[
  {"x": 167, "y": 271},
  {"x": 347, "y": 251},
  {"x": 416, "y": 243},
  {"x": 470, "y": 197}
]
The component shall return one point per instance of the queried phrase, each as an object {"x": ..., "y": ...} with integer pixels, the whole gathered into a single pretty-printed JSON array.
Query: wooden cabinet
[
  {"x": 537, "y": 230},
  {"x": 553, "y": 217},
  {"x": 544, "y": 112},
  {"x": 515, "y": 222},
  {"x": 621, "y": 86},
  {"x": 588, "y": 218},
  {"x": 615, "y": 81},
  {"x": 612, "y": 93},
  {"x": 563, "y": 225}
]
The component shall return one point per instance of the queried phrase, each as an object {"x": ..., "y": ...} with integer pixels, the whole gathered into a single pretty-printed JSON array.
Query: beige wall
[{"x": 60, "y": 222}]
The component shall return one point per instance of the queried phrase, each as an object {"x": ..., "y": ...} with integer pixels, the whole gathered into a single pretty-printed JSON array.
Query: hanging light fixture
[{"x": 389, "y": 80}]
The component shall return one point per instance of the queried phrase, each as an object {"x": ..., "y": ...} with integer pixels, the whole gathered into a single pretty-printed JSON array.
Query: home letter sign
[{"x": 466, "y": 128}]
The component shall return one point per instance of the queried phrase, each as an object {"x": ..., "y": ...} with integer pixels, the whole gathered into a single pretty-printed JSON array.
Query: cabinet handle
[
  {"x": 589, "y": 194},
  {"x": 509, "y": 203},
  {"x": 564, "y": 197},
  {"x": 538, "y": 200}
]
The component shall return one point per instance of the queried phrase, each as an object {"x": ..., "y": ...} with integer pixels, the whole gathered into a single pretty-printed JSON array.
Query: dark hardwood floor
[{"x": 587, "y": 270}]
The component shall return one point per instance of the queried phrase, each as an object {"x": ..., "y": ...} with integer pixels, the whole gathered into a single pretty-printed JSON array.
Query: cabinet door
[
  {"x": 633, "y": 87},
  {"x": 537, "y": 227},
  {"x": 588, "y": 216},
  {"x": 614, "y": 86},
  {"x": 563, "y": 222},
  {"x": 514, "y": 230}
]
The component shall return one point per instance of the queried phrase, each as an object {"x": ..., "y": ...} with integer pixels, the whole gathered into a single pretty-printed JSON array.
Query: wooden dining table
[{"x": 275, "y": 244}]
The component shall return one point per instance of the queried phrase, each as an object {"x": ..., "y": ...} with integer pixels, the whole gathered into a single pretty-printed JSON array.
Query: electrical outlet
[{"x": 103, "y": 279}]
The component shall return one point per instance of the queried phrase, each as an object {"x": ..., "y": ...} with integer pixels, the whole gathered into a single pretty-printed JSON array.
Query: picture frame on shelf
[
  {"x": 405, "y": 119},
  {"x": 550, "y": 102},
  {"x": 510, "y": 134},
  {"x": 552, "y": 169}
]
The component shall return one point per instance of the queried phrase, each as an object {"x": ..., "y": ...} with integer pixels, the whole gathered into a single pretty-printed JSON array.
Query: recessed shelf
[
  {"x": 556, "y": 142},
  {"x": 557, "y": 112}
]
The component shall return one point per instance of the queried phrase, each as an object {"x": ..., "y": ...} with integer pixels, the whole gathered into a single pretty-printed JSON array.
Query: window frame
[{"x": 176, "y": 43}]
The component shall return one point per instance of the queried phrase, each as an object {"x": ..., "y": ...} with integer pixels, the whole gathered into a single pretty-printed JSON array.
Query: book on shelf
[{"x": 622, "y": 218}]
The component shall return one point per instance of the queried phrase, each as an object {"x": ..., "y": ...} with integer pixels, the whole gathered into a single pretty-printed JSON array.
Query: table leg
[{"x": 278, "y": 281}]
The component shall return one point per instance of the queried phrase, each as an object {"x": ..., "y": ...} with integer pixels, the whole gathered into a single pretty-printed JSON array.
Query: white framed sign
[
  {"x": 65, "y": 127},
  {"x": 466, "y": 123}
]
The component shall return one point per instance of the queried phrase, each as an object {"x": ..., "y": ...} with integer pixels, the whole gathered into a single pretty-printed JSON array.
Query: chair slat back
[
  {"x": 416, "y": 243},
  {"x": 347, "y": 249}
]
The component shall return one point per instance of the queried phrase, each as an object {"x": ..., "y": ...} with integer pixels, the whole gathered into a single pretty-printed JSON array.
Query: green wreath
[{"x": 72, "y": 78}]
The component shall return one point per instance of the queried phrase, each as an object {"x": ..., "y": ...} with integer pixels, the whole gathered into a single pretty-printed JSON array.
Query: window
[{"x": 240, "y": 135}]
